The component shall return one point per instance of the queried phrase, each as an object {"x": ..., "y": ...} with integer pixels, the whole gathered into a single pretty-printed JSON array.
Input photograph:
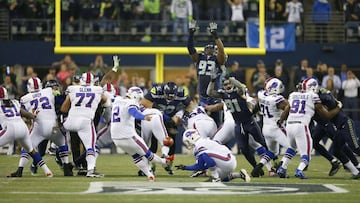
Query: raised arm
[{"x": 190, "y": 44}]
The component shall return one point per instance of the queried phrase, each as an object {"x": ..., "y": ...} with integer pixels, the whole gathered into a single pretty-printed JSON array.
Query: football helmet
[
  {"x": 170, "y": 91},
  {"x": 54, "y": 84},
  {"x": 135, "y": 93},
  {"x": 87, "y": 79},
  {"x": 190, "y": 136},
  {"x": 310, "y": 84},
  {"x": 3, "y": 93},
  {"x": 108, "y": 87},
  {"x": 228, "y": 86},
  {"x": 34, "y": 84},
  {"x": 274, "y": 86},
  {"x": 210, "y": 49}
]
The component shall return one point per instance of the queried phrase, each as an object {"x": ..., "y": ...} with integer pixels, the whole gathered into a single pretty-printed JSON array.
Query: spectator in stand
[
  {"x": 213, "y": 9},
  {"x": 89, "y": 11},
  {"x": 98, "y": 68},
  {"x": 10, "y": 87},
  {"x": 343, "y": 72},
  {"x": 351, "y": 101},
  {"x": 282, "y": 75},
  {"x": 237, "y": 72},
  {"x": 352, "y": 10},
  {"x": 31, "y": 10},
  {"x": 152, "y": 9},
  {"x": 294, "y": 10},
  {"x": 321, "y": 17},
  {"x": 63, "y": 73},
  {"x": 181, "y": 13},
  {"x": 29, "y": 74},
  {"x": 108, "y": 13},
  {"x": 300, "y": 73},
  {"x": 128, "y": 11},
  {"x": 68, "y": 9},
  {"x": 71, "y": 65},
  {"x": 259, "y": 76},
  {"x": 309, "y": 74},
  {"x": 275, "y": 10},
  {"x": 335, "y": 85},
  {"x": 321, "y": 71},
  {"x": 237, "y": 14}
]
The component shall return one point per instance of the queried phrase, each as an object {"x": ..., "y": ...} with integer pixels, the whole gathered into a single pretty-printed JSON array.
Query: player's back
[
  {"x": 122, "y": 123},
  {"x": 212, "y": 148},
  {"x": 268, "y": 106},
  {"x": 204, "y": 68},
  {"x": 302, "y": 106},
  {"x": 84, "y": 100},
  {"x": 43, "y": 102},
  {"x": 10, "y": 112}
]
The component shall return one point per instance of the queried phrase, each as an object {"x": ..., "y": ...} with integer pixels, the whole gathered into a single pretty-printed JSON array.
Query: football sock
[{"x": 352, "y": 168}]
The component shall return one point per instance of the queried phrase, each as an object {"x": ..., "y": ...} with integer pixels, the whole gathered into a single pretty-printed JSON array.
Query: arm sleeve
[
  {"x": 190, "y": 45},
  {"x": 135, "y": 113},
  {"x": 204, "y": 162}
]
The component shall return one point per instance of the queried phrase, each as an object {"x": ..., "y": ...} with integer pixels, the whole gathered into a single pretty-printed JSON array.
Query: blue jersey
[
  {"x": 328, "y": 100},
  {"x": 204, "y": 67},
  {"x": 237, "y": 105},
  {"x": 157, "y": 96}
]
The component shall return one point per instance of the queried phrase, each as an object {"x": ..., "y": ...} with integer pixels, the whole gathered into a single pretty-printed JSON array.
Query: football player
[
  {"x": 234, "y": 96},
  {"x": 81, "y": 103},
  {"x": 42, "y": 102},
  {"x": 211, "y": 155},
  {"x": 272, "y": 105},
  {"x": 302, "y": 107},
  {"x": 14, "y": 128},
  {"x": 124, "y": 112},
  {"x": 207, "y": 61},
  {"x": 171, "y": 101}
]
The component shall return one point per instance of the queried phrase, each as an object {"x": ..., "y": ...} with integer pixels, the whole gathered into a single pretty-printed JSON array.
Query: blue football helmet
[{"x": 170, "y": 90}]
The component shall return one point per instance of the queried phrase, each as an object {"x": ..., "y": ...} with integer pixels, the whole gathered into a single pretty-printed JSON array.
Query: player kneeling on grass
[{"x": 211, "y": 155}]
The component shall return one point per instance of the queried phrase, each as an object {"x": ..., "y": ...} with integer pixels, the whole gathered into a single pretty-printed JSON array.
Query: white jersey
[
  {"x": 302, "y": 106},
  {"x": 84, "y": 100},
  {"x": 294, "y": 10},
  {"x": 268, "y": 106},
  {"x": 237, "y": 12},
  {"x": 43, "y": 102},
  {"x": 10, "y": 114},
  {"x": 122, "y": 123}
]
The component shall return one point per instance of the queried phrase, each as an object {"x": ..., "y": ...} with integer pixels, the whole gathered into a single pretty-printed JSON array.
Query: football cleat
[
  {"x": 68, "y": 169},
  {"x": 93, "y": 174},
  {"x": 17, "y": 173},
  {"x": 300, "y": 174},
  {"x": 282, "y": 172},
  {"x": 33, "y": 169},
  {"x": 244, "y": 175},
  {"x": 335, "y": 166},
  {"x": 213, "y": 180},
  {"x": 357, "y": 176}
]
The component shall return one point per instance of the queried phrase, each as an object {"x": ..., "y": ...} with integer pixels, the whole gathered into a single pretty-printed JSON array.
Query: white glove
[
  {"x": 213, "y": 29},
  {"x": 116, "y": 61},
  {"x": 192, "y": 26},
  {"x": 339, "y": 104}
]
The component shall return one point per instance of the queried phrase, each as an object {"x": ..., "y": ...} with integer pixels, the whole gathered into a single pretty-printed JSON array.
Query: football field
[{"x": 121, "y": 184}]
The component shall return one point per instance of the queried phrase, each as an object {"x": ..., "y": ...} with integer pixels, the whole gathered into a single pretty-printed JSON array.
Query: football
[{"x": 168, "y": 141}]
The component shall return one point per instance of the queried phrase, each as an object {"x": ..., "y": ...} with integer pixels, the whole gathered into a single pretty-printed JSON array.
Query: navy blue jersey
[
  {"x": 237, "y": 105},
  {"x": 328, "y": 100},
  {"x": 204, "y": 66},
  {"x": 157, "y": 96}
]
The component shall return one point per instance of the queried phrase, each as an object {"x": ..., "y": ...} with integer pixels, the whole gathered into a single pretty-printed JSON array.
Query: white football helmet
[
  {"x": 34, "y": 84},
  {"x": 108, "y": 87},
  {"x": 190, "y": 136},
  {"x": 310, "y": 84},
  {"x": 87, "y": 79},
  {"x": 274, "y": 86},
  {"x": 3, "y": 93},
  {"x": 135, "y": 93}
]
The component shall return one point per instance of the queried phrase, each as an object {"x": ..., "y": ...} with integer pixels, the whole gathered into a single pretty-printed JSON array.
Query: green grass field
[{"x": 119, "y": 168}]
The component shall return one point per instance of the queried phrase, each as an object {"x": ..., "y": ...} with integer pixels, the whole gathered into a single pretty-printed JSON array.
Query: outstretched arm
[
  {"x": 190, "y": 44},
  {"x": 113, "y": 73}
]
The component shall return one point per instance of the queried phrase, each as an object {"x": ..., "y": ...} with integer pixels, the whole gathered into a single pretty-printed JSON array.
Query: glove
[
  {"x": 189, "y": 18},
  {"x": 173, "y": 15},
  {"x": 116, "y": 61},
  {"x": 213, "y": 29},
  {"x": 339, "y": 104},
  {"x": 192, "y": 26},
  {"x": 180, "y": 167}
]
